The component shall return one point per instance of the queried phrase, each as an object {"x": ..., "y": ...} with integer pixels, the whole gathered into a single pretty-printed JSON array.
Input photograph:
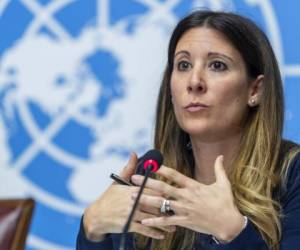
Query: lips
[{"x": 195, "y": 106}]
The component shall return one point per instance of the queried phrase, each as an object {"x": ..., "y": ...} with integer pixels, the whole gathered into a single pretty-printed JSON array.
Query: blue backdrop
[{"x": 78, "y": 83}]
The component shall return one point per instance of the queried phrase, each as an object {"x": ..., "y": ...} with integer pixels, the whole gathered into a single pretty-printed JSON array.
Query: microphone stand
[{"x": 127, "y": 225}]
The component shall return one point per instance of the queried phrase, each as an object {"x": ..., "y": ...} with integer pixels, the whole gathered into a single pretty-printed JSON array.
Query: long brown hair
[{"x": 258, "y": 165}]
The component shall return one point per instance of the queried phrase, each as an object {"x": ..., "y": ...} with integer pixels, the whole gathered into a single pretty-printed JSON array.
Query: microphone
[{"x": 151, "y": 162}]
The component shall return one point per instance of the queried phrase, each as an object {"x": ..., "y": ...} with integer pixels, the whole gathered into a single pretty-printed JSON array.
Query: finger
[
  {"x": 219, "y": 169},
  {"x": 148, "y": 209},
  {"x": 129, "y": 169},
  {"x": 151, "y": 192},
  {"x": 157, "y": 185},
  {"x": 156, "y": 203},
  {"x": 148, "y": 200},
  {"x": 141, "y": 215},
  {"x": 174, "y": 176},
  {"x": 147, "y": 231},
  {"x": 163, "y": 221}
]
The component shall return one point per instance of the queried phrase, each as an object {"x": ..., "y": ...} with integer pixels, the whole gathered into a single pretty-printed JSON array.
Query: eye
[
  {"x": 183, "y": 66},
  {"x": 218, "y": 66}
]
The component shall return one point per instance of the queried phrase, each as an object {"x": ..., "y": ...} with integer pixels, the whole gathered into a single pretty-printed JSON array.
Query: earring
[{"x": 252, "y": 102}]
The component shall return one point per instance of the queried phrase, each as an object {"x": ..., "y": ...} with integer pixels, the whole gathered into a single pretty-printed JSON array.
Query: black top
[{"x": 248, "y": 239}]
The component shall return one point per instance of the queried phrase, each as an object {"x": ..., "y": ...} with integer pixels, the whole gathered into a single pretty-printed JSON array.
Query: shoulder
[
  {"x": 290, "y": 187},
  {"x": 290, "y": 201},
  {"x": 293, "y": 172},
  {"x": 290, "y": 163}
]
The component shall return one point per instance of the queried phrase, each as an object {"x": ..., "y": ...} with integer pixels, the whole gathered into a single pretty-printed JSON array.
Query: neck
[{"x": 205, "y": 154}]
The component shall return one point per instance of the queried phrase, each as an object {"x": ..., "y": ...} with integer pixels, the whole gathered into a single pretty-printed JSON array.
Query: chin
[
  {"x": 213, "y": 136},
  {"x": 196, "y": 130},
  {"x": 208, "y": 133}
]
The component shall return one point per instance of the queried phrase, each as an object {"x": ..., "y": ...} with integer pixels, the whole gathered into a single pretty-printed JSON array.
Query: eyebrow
[
  {"x": 209, "y": 54},
  {"x": 182, "y": 52},
  {"x": 221, "y": 55}
]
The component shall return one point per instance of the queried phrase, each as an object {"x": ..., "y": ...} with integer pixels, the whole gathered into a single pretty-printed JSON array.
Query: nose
[{"x": 197, "y": 82}]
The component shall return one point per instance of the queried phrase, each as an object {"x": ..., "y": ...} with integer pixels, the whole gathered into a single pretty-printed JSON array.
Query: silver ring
[{"x": 165, "y": 207}]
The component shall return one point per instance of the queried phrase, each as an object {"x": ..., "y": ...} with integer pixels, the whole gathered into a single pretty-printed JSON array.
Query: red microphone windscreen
[{"x": 152, "y": 158}]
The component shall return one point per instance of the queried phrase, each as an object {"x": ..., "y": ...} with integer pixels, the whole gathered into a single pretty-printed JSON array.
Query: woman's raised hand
[
  {"x": 109, "y": 213},
  {"x": 203, "y": 208}
]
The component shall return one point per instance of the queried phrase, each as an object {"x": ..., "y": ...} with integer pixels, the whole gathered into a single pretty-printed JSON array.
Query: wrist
[
  {"x": 233, "y": 229},
  {"x": 91, "y": 230}
]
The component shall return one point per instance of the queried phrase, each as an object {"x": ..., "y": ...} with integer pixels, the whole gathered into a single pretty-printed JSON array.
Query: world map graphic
[{"x": 78, "y": 86}]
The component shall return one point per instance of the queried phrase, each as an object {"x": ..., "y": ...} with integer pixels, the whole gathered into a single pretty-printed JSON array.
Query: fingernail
[
  {"x": 160, "y": 236},
  {"x": 145, "y": 222},
  {"x": 136, "y": 178},
  {"x": 134, "y": 195}
]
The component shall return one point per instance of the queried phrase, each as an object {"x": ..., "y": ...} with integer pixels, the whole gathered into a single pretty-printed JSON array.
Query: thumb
[
  {"x": 219, "y": 169},
  {"x": 129, "y": 169}
]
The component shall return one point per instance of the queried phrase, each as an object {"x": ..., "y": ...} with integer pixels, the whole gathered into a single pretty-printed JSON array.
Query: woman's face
[{"x": 209, "y": 85}]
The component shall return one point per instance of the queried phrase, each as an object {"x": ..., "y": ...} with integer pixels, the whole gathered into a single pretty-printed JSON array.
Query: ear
[{"x": 255, "y": 91}]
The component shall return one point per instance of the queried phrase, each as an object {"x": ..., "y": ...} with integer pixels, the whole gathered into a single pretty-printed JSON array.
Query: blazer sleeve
[{"x": 250, "y": 238}]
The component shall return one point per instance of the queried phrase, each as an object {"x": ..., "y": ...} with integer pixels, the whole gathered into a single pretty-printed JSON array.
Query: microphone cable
[{"x": 152, "y": 162}]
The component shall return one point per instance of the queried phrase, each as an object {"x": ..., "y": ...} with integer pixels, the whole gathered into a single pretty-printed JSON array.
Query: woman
[{"x": 230, "y": 179}]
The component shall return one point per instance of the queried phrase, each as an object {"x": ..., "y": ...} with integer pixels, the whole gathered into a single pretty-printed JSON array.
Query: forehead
[{"x": 206, "y": 39}]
